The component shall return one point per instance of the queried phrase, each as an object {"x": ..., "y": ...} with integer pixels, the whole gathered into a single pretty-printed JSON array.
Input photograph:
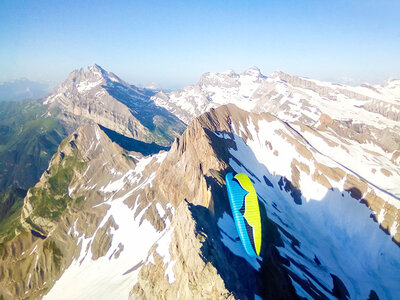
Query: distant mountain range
[
  {"x": 279, "y": 93},
  {"x": 22, "y": 89},
  {"x": 133, "y": 202}
]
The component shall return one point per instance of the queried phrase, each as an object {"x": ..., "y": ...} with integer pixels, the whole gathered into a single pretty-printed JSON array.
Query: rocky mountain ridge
[
  {"x": 278, "y": 93},
  {"x": 93, "y": 95},
  {"x": 30, "y": 131}
]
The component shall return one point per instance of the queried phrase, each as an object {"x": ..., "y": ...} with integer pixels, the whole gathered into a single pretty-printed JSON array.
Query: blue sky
[{"x": 174, "y": 42}]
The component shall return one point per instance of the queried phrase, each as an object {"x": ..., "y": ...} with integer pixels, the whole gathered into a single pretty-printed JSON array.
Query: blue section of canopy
[{"x": 236, "y": 196}]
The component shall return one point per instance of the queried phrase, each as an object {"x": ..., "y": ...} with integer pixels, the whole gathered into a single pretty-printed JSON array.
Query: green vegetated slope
[
  {"x": 10, "y": 208},
  {"x": 27, "y": 227},
  {"x": 48, "y": 200},
  {"x": 51, "y": 200},
  {"x": 28, "y": 140}
]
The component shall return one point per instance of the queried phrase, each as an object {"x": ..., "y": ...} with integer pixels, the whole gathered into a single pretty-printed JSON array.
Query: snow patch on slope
[
  {"x": 110, "y": 277},
  {"x": 163, "y": 250},
  {"x": 106, "y": 278},
  {"x": 134, "y": 175},
  {"x": 85, "y": 86}
]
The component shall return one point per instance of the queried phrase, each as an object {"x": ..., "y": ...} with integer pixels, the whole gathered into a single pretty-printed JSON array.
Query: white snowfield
[{"x": 335, "y": 233}]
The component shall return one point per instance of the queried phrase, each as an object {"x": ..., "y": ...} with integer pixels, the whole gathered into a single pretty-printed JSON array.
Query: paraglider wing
[{"x": 245, "y": 211}]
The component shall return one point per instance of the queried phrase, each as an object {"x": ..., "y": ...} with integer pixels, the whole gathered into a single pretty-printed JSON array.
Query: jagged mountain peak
[
  {"x": 85, "y": 79},
  {"x": 94, "y": 81},
  {"x": 88, "y": 147},
  {"x": 253, "y": 71},
  {"x": 214, "y": 78},
  {"x": 94, "y": 69},
  {"x": 212, "y": 90},
  {"x": 70, "y": 194},
  {"x": 284, "y": 166},
  {"x": 218, "y": 78},
  {"x": 278, "y": 74}
]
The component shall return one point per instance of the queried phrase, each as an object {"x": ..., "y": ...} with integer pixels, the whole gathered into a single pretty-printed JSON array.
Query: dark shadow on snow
[{"x": 241, "y": 278}]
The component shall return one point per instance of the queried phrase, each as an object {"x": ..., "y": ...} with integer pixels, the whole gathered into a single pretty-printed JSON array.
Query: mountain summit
[{"x": 93, "y": 95}]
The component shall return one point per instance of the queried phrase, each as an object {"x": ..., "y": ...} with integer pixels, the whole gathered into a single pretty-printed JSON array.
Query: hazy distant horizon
[
  {"x": 173, "y": 44},
  {"x": 52, "y": 84}
]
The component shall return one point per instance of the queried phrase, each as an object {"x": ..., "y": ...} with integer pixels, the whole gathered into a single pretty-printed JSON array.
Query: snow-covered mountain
[
  {"x": 93, "y": 95},
  {"x": 361, "y": 122},
  {"x": 109, "y": 222},
  {"x": 213, "y": 90},
  {"x": 289, "y": 97}
]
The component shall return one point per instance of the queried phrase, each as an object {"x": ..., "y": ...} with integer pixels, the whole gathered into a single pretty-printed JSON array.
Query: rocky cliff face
[{"x": 93, "y": 95}]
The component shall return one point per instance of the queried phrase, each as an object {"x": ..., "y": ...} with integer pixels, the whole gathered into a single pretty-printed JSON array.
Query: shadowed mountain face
[
  {"x": 93, "y": 95},
  {"x": 132, "y": 144}
]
